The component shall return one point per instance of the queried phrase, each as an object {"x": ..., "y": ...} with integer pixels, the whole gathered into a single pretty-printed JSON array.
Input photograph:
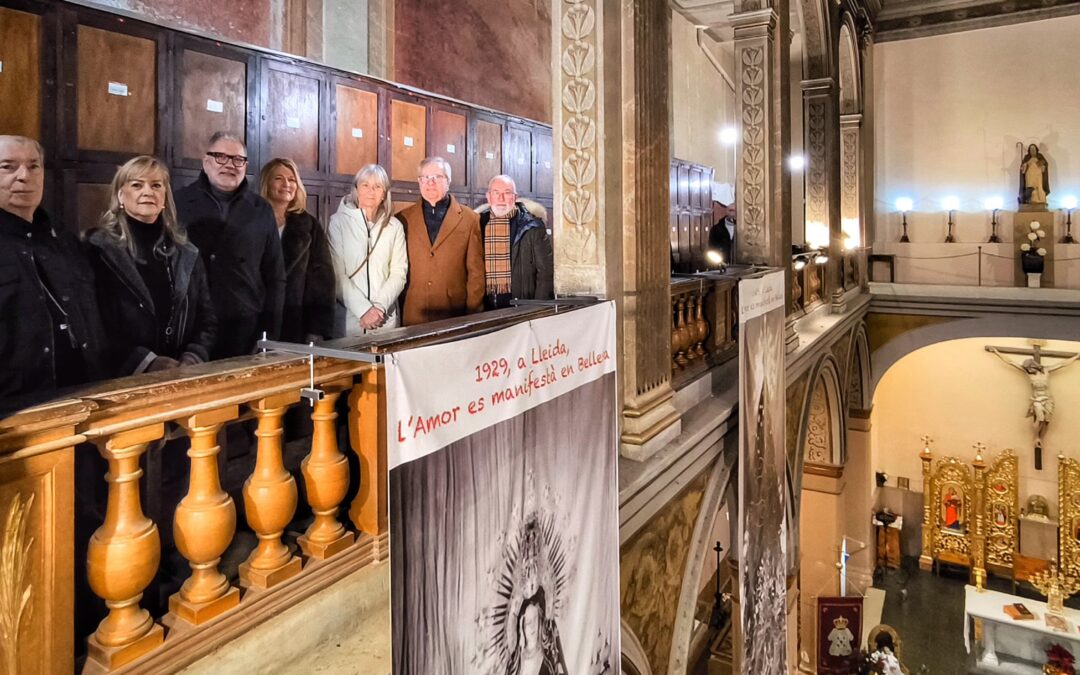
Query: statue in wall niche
[
  {"x": 1034, "y": 178},
  {"x": 1041, "y": 407}
]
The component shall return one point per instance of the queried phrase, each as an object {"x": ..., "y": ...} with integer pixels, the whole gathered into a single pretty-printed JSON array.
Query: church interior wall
[
  {"x": 959, "y": 394},
  {"x": 493, "y": 54},
  {"x": 248, "y": 21},
  {"x": 950, "y": 111}
]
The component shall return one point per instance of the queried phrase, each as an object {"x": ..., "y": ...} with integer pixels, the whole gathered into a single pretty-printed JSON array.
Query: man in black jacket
[
  {"x": 50, "y": 331},
  {"x": 517, "y": 248},
  {"x": 236, "y": 235}
]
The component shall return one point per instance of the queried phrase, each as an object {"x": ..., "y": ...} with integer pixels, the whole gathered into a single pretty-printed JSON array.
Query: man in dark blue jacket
[
  {"x": 517, "y": 248},
  {"x": 50, "y": 330},
  {"x": 235, "y": 232}
]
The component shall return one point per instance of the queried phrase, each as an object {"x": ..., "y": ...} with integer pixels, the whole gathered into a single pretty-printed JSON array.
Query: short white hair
[
  {"x": 442, "y": 164},
  {"x": 506, "y": 179}
]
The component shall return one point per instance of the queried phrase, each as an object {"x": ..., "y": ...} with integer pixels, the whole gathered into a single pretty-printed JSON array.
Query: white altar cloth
[{"x": 1026, "y": 640}]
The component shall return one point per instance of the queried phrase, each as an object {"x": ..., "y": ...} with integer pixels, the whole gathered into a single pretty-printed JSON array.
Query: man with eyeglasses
[
  {"x": 446, "y": 254},
  {"x": 50, "y": 330},
  {"x": 237, "y": 236}
]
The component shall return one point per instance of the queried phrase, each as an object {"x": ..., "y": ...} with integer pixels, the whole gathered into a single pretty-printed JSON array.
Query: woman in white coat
[{"x": 367, "y": 244}]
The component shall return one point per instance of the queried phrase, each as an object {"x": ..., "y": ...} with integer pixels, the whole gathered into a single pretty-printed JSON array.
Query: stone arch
[
  {"x": 1033, "y": 326},
  {"x": 816, "y": 26},
  {"x": 633, "y": 660},
  {"x": 849, "y": 69},
  {"x": 717, "y": 492},
  {"x": 858, "y": 372},
  {"x": 822, "y": 429}
]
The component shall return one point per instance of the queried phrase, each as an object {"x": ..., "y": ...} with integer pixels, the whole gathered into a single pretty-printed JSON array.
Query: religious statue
[
  {"x": 1034, "y": 177},
  {"x": 1041, "y": 408}
]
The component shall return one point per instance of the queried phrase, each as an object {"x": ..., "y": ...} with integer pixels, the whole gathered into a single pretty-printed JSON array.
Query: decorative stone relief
[
  {"x": 815, "y": 57},
  {"x": 817, "y": 199},
  {"x": 752, "y": 225},
  {"x": 819, "y": 445},
  {"x": 849, "y": 172},
  {"x": 580, "y": 203}
]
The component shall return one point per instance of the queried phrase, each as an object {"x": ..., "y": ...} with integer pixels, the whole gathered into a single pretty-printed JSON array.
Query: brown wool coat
[{"x": 446, "y": 279}]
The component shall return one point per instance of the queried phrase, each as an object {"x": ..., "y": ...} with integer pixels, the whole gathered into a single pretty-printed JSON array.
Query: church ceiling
[{"x": 905, "y": 19}]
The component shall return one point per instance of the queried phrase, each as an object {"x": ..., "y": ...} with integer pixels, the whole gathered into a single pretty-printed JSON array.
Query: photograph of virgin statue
[{"x": 504, "y": 546}]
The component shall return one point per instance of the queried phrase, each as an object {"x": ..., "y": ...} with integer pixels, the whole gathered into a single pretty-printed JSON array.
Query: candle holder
[
  {"x": 1068, "y": 238},
  {"x": 950, "y": 238},
  {"x": 994, "y": 238},
  {"x": 904, "y": 238}
]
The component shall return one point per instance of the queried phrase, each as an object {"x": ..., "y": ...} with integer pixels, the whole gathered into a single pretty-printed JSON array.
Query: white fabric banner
[
  {"x": 439, "y": 394},
  {"x": 760, "y": 295}
]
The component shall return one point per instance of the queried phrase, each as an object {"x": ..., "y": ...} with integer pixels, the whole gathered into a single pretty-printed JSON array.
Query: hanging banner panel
[
  {"x": 762, "y": 527},
  {"x": 504, "y": 544}
]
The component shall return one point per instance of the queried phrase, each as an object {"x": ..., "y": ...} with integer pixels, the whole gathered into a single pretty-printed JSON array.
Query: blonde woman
[
  {"x": 308, "y": 314},
  {"x": 367, "y": 245},
  {"x": 151, "y": 284}
]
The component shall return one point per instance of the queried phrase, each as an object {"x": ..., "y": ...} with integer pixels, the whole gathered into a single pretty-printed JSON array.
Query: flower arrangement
[
  {"x": 1059, "y": 661},
  {"x": 1034, "y": 237}
]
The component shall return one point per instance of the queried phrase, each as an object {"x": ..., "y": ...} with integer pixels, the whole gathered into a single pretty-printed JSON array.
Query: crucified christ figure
[{"x": 1041, "y": 408}]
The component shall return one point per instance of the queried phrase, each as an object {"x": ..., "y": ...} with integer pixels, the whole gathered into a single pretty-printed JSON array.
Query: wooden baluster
[
  {"x": 326, "y": 479},
  {"x": 270, "y": 499},
  {"x": 675, "y": 335},
  {"x": 204, "y": 525},
  {"x": 367, "y": 434},
  {"x": 691, "y": 327},
  {"x": 796, "y": 292},
  {"x": 123, "y": 557},
  {"x": 681, "y": 333},
  {"x": 702, "y": 325}
]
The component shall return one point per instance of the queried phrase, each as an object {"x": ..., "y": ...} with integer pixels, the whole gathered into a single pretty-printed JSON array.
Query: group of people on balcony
[{"x": 166, "y": 280}]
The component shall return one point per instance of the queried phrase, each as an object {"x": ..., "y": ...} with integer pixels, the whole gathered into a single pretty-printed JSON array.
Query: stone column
[
  {"x": 763, "y": 184},
  {"x": 821, "y": 105},
  {"x": 866, "y": 58},
  {"x": 850, "y": 186},
  {"x": 612, "y": 130}
]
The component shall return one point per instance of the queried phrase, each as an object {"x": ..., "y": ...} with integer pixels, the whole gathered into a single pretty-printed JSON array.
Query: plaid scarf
[{"x": 497, "y": 254}]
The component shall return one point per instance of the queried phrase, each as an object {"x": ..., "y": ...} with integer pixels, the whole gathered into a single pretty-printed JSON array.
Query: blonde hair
[
  {"x": 386, "y": 208},
  {"x": 115, "y": 222},
  {"x": 299, "y": 201}
]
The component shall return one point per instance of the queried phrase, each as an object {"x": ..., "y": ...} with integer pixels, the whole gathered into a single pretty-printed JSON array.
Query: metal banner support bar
[{"x": 312, "y": 350}]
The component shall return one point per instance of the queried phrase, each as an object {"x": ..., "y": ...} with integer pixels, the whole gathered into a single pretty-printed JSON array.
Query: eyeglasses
[
  {"x": 431, "y": 179},
  {"x": 222, "y": 159}
]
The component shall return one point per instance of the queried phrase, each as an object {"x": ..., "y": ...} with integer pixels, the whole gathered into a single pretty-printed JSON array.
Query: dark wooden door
[
  {"x": 116, "y": 91},
  {"x": 449, "y": 131},
  {"x": 291, "y": 116},
  {"x": 408, "y": 139},
  {"x": 20, "y": 76},
  {"x": 517, "y": 160},
  {"x": 356, "y": 128},
  {"x": 489, "y": 151},
  {"x": 217, "y": 93}
]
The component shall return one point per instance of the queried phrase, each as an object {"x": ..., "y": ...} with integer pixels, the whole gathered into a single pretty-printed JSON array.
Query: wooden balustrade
[
  {"x": 806, "y": 287},
  {"x": 702, "y": 325},
  {"x": 126, "y": 418}
]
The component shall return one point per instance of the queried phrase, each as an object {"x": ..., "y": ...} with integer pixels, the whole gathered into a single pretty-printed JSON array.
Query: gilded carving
[
  {"x": 578, "y": 98},
  {"x": 1001, "y": 510},
  {"x": 1069, "y": 517},
  {"x": 652, "y": 571},
  {"x": 15, "y": 591},
  {"x": 951, "y": 505},
  {"x": 754, "y": 169},
  {"x": 818, "y": 439}
]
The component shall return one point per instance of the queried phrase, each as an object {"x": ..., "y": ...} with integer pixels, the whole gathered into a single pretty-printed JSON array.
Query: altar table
[{"x": 1025, "y": 640}]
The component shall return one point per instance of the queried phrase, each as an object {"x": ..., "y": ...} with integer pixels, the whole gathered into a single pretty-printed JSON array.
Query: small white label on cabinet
[
  {"x": 292, "y": 122},
  {"x": 357, "y": 133},
  {"x": 214, "y": 106},
  {"x": 450, "y": 148},
  {"x": 1, "y": 66},
  {"x": 118, "y": 89},
  {"x": 408, "y": 141},
  {"x": 489, "y": 155}
]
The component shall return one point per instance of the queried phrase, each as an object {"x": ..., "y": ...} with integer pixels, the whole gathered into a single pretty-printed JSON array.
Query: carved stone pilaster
[
  {"x": 613, "y": 139},
  {"x": 852, "y": 216},
  {"x": 823, "y": 213}
]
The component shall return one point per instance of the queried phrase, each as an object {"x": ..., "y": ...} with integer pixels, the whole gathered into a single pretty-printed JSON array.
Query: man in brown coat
[{"x": 446, "y": 253}]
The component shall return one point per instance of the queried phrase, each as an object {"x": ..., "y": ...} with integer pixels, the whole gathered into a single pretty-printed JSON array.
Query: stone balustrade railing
[
  {"x": 807, "y": 287},
  {"x": 703, "y": 324},
  {"x": 124, "y": 420}
]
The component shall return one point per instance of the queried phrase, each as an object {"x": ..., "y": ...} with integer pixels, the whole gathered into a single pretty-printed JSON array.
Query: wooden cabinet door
[
  {"x": 290, "y": 116},
  {"x": 544, "y": 175},
  {"x": 20, "y": 73},
  {"x": 518, "y": 160},
  {"x": 408, "y": 139},
  {"x": 448, "y": 140},
  {"x": 356, "y": 128},
  {"x": 489, "y": 141},
  {"x": 117, "y": 92},
  {"x": 213, "y": 97}
]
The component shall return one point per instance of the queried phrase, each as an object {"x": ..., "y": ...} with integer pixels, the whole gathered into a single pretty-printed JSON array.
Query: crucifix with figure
[{"x": 1041, "y": 408}]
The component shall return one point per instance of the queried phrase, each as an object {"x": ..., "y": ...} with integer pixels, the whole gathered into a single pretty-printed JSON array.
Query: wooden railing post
[
  {"x": 204, "y": 524},
  {"x": 367, "y": 434},
  {"x": 270, "y": 499},
  {"x": 123, "y": 557},
  {"x": 326, "y": 479}
]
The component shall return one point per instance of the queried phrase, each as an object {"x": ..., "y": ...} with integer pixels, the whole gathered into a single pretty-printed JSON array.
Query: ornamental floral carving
[
  {"x": 849, "y": 183},
  {"x": 754, "y": 169},
  {"x": 816, "y": 175},
  {"x": 818, "y": 439},
  {"x": 579, "y": 100}
]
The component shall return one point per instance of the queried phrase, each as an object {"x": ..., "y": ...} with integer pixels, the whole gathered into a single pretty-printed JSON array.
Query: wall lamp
[{"x": 815, "y": 257}]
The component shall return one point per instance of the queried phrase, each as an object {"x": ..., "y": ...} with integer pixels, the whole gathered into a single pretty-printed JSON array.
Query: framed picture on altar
[
  {"x": 839, "y": 633},
  {"x": 952, "y": 509}
]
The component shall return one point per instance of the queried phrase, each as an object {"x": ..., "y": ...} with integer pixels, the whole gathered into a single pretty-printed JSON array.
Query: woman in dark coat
[
  {"x": 309, "y": 271},
  {"x": 150, "y": 281}
]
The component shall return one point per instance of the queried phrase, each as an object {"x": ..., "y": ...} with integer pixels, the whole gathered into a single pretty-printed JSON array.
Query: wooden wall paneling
[
  {"x": 291, "y": 116},
  {"x": 686, "y": 254},
  {"x": 356, "y": 126},
  {"x": 117, "y": 92},
  {"x": 20, "y": 73},
  {"x": 488, "y": 145},
  {"x": 408, "y": 138},
  {"x": 217, "y": 88},
  {"x": 518, "y": 158},
  {"x": 85, "y": 194},
  {"x": 543, "y": 172},
  {"x": 449, "y": 140},
  {"x": 673, "y": 189}
]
